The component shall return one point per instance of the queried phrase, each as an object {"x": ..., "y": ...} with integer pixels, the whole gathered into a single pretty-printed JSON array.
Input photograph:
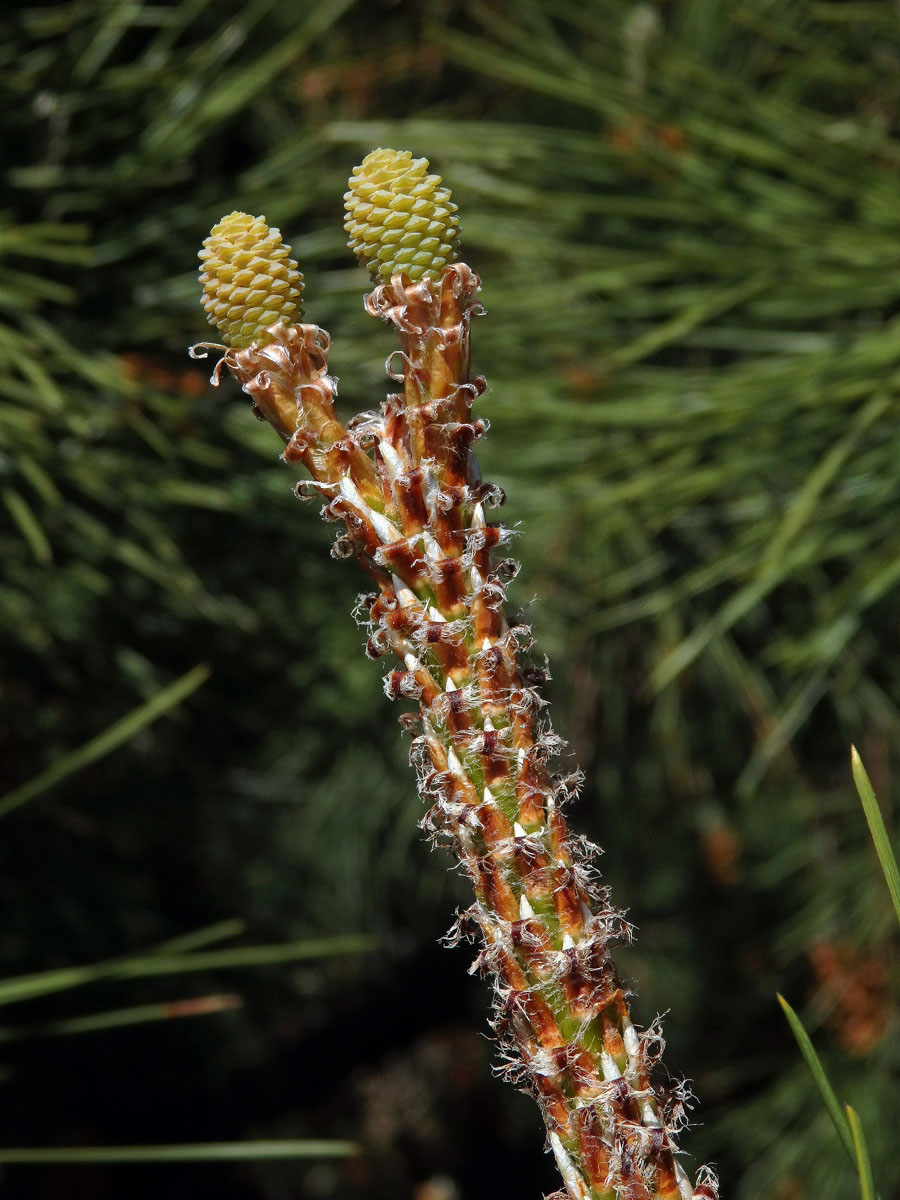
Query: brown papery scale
[{"x": 405, "y": 486}]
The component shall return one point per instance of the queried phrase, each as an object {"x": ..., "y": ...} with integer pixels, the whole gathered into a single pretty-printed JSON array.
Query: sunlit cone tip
[
  {"x": 249, "y": 280},
  {"x": 400, "y": 218}
]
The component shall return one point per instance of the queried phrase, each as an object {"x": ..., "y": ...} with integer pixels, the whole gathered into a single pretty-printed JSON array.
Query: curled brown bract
[
  {"x": 295, "y": 351},
  {"x": 415, "y": 308},
  {"x": 432, "y": 318},
  {"x": 291, "y": 354},
  {"x": 275, "y": 372}
]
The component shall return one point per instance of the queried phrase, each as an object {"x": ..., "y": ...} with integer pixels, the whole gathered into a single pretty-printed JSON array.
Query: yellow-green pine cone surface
[
  {"x": 399, "y": 218},
  {"x": 249, "y": 279}
]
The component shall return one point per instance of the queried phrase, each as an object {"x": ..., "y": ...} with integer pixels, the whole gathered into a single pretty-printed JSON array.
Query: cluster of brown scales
[{"x": 404, "y": 484}]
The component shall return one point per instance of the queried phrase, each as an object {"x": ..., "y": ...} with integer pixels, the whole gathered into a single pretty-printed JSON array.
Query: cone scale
[{"x": 406, "y": 488}]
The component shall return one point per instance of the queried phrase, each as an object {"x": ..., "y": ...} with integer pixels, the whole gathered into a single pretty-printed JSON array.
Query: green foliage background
[{"x": 685, "y": 216}]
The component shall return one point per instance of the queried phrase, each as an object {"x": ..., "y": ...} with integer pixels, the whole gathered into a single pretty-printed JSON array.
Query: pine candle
[{"x": 405, "y": 486}]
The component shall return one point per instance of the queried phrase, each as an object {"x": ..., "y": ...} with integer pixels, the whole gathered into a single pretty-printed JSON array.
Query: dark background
[{"x": 685, "y": 215}]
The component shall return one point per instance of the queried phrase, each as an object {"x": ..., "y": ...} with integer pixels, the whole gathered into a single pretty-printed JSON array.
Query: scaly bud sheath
[
  {"x": 414, "y": 514},
  {"x": 286, "y": 379},
  {"x": 399, "y": 218},
  {"x": 249, "y": 280},
  {"x": 251, "y": 291}
]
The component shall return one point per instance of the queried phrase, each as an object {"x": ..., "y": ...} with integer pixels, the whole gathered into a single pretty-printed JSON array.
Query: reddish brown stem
[{"x": 406, "y": 487}]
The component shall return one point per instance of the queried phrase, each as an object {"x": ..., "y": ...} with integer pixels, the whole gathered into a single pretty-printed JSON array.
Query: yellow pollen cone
[
  {"x": 249, "y": 279},
  {"x": 399, "y": 218}
]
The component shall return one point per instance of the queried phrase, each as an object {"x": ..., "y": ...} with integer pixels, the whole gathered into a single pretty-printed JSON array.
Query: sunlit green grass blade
[
  {"x": 113, "y": 737},
  {"x": 24, "y": 987},
  {"x": 45, "y": 982},
  {"x": 29, "y": 526},
  {"x": 818, "y": 1073},
  {"x": 139, "y": 1014},
  {"x": 877, "y": 828},
  {"x": 250, "y": 956},
  {"x": 221, "y": 931},
  {"x": 674, "y": 329},
  {"x": 774, "y": 562},
  {"x": 188, "y": 1152},
  {"x": 863, "y": 1162}
]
